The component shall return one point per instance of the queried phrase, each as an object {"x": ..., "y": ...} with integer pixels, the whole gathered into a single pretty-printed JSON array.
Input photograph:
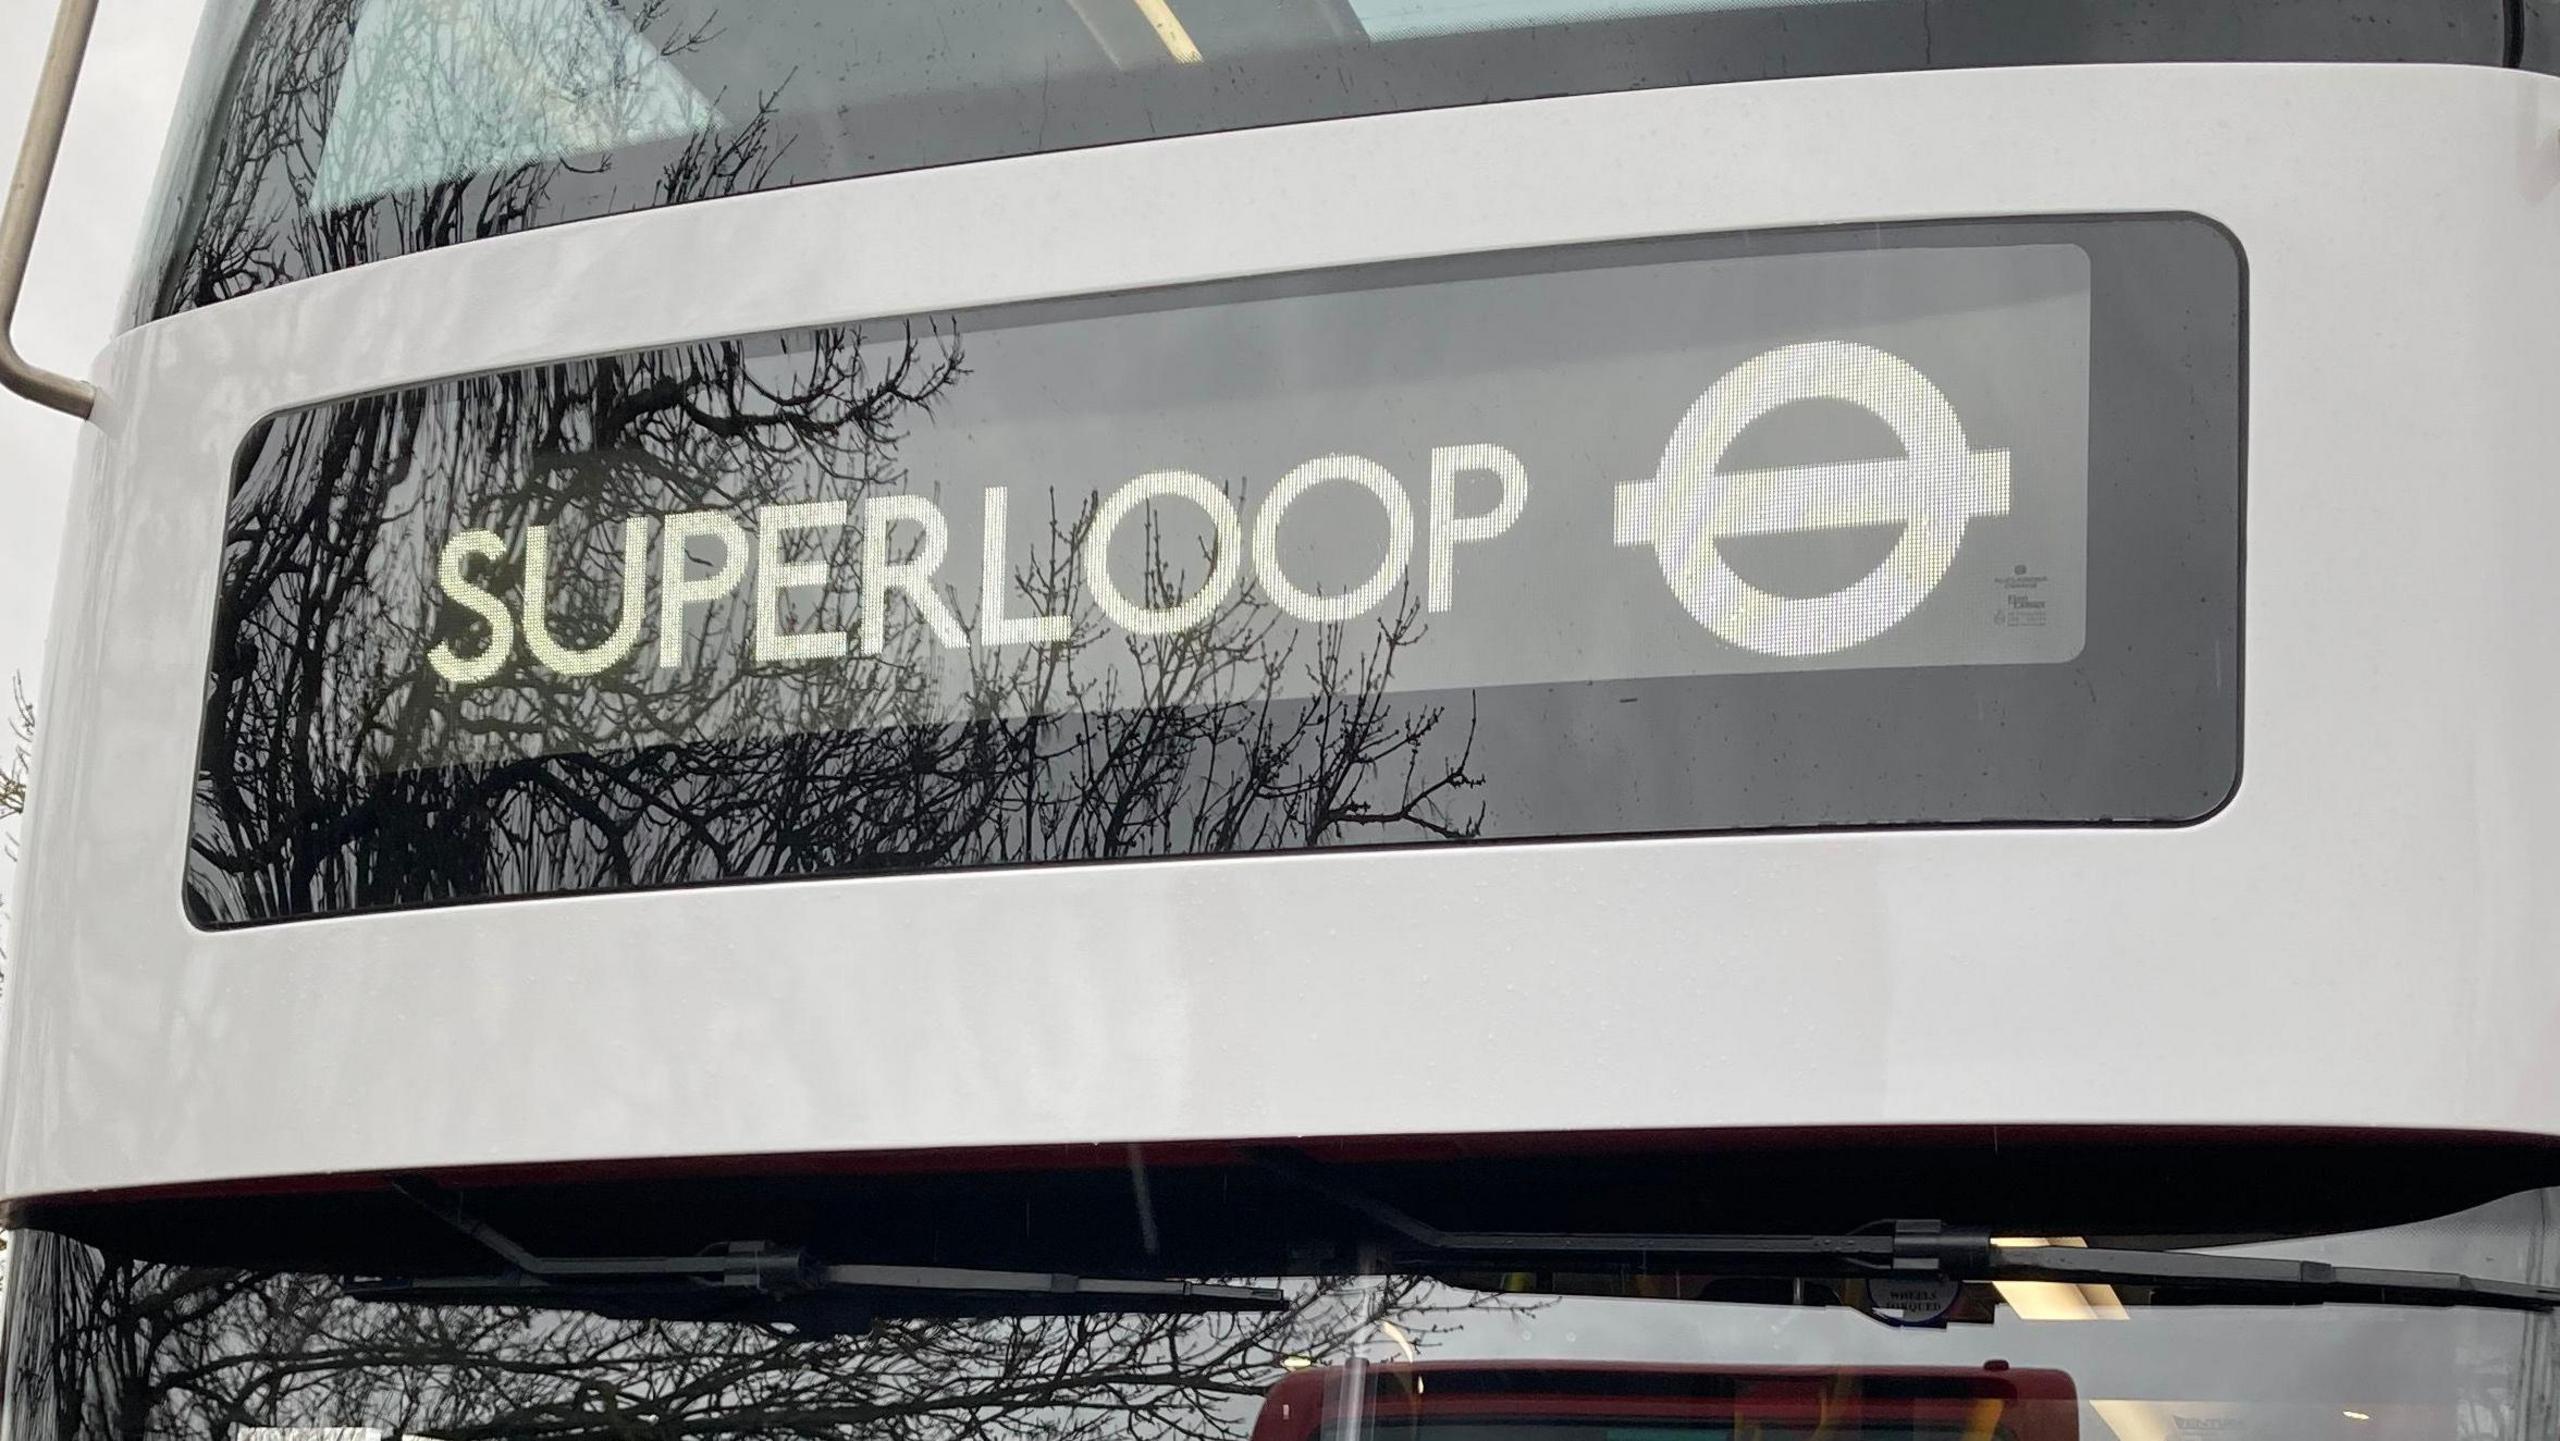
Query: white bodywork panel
[{"x": 2363, "y": 937}]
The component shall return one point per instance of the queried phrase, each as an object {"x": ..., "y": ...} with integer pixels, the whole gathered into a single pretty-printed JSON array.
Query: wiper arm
[
  {"x": 850, "y": 1297},
  {"x": 2272, "y": 1278},
  {"x": 1932, "y": 1250},
  {"x": 758, "y": 1281}
]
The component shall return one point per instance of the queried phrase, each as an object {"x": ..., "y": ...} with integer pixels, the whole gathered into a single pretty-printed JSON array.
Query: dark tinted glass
[
  {"x": 987, "y": 1319},
  {"x": 355, "y": 130},
  {"x": 1936, "y": 524}
]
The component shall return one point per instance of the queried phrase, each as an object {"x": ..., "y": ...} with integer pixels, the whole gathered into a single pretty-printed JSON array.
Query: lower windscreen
[{"x": 1922, "y": 524}]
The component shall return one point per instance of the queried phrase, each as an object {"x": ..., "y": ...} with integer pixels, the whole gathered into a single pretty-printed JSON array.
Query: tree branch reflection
[
  {"x": 339, "y": 772},
  {"x": 117, "y": 1348}
]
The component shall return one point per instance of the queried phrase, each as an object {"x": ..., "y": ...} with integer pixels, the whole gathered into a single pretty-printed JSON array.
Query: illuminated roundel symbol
[{"x": 1933, "y": 490}]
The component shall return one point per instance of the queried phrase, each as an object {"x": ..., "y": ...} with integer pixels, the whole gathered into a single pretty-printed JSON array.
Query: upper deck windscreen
[{"x": 356, "y": 130}]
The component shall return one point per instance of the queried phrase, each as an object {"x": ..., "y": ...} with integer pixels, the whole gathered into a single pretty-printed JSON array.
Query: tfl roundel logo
[{"x": 1933, "y": 491}]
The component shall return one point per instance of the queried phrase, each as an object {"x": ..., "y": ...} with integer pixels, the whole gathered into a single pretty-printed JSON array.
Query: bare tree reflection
[
  {"x": 357, "y": 130},
  {"x": 338, "y": 771},
  {"x": 114, "y": 1348}
]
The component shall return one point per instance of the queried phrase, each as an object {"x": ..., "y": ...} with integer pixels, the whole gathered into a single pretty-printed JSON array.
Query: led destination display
[
  {"x": 1574, "y": 475},
  {"x": 1642, "y": 537}
]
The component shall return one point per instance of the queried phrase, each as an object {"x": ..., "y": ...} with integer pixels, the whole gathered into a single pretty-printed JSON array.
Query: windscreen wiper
[
  {"x": 763, "y": 1282},
  {"x": 1933, "y": 1251}
]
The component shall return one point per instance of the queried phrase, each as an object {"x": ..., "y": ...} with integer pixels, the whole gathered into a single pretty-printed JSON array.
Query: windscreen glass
[
  {"x": 356, "y": 130},
  {"x": 110, "y": 1344},
  {"x": 1936, "y": 524}
]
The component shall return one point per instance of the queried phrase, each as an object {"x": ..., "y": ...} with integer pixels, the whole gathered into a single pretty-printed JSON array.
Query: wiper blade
[
  {"x": 1932, "y": 1250},
  {"x": 2267, "y": 1277},
  {"x": 753, "y": 1280},
  {"x": 847, "y": 1297}
]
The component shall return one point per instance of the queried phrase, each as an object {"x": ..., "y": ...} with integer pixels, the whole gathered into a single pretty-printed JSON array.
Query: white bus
[{"x": 996, "y": 720}]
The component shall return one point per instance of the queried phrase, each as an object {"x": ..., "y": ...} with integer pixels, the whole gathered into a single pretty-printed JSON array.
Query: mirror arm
[{"x": 27, "y": 188}]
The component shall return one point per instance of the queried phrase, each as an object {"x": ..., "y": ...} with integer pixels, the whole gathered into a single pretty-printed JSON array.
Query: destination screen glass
[{"x": 1926, "y": 524}]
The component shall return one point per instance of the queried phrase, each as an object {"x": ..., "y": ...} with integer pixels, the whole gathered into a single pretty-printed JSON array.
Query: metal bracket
[
  {"x": 27, "y": 189},
  {"x": 749, "y": 1264}
]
